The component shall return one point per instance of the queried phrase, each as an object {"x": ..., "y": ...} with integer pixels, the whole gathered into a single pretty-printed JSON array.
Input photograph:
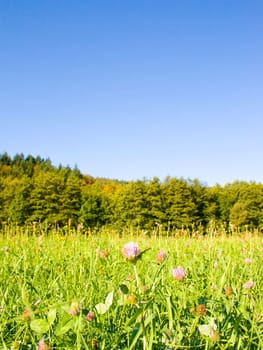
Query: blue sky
[{"x": 135, "y": 88}]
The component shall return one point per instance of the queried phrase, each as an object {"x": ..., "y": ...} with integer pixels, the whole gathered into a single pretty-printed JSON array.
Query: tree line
[{"x": 32, "y": 190}]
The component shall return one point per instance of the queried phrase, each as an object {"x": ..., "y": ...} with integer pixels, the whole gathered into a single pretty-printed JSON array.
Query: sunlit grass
[{"x": 50, "y": 283}]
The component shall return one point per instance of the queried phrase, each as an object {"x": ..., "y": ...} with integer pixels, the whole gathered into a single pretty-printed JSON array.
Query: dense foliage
[
  {"x": 32, "y": 190},
  {"x": 79, "y": 292}
]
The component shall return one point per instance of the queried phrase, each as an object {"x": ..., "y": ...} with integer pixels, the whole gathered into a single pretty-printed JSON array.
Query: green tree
[
  {"x": 155, "y": 201},
  {"x": 94, "y": 209},
  {"x": 5, "y": 159},
  {"x": 56, "y": 196},
  {"x": 131, "y": 207},
  {"x": 180, "y": 207},
  {"x": 227, "y": 196},
  {"x": 251, "y": 194},
  {"x": 205, "y": 209},
  {"x": 70, "y": 198},
  {"x": 239, "y": 214},
  {"x": 19, "y": 208}
]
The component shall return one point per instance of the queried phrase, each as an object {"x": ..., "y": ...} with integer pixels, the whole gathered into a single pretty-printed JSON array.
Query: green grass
[{"x": 48, "y": 284}]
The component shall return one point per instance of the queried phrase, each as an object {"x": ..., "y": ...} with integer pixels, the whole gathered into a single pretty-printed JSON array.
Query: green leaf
[
  {"x": 212, "y": 324},
  {"x": 208, "y": 329},
  {"x": 205, "y": 329},
  {"x": 51, "y": 316},
  {"x": 124, "y": 289},
  {"x": 63, "y": 327},
  {"x": 138, "y": 257},
  {"x": 39, "y": 326},
  {"x": 77, "y": 324},
  {"x": 101, "y": 308},
  {"x": 109, "y": 299}
]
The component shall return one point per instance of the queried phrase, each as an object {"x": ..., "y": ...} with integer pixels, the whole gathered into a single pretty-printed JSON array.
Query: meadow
[{"x": 77, "y": 291}]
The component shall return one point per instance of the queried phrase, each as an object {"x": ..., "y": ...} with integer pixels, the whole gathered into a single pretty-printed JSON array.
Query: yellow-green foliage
[
  {"x": 75, "y": 291},
  {"x": 33, "y": 190}
]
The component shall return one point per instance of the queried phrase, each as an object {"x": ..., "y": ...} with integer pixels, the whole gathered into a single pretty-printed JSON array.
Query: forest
[{"x": 33, "y": 190}]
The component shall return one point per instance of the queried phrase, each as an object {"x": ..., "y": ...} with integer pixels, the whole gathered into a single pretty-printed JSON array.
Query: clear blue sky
[{"x": 128, "y": 89}]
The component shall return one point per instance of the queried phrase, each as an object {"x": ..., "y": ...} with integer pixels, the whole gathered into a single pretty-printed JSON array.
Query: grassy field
[{"x": 84, "y": 292}]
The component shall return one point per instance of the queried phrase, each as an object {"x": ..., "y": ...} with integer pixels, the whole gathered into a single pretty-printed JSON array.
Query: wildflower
[
  {"x": 161, "y": 256},
  {"x": 201, "y": 310},
  {"x": 228, "y": 291},
  {"x": 74, "y": 308},
  {"x": 43, "y": 346},
  {"x": 6, "y": 248},
  {"x": 248, "y": 284},
  {"x": 130, "y": 277},
  {"x": 90, "y": 316},
  {"x": 27, "y": 314},
  {"x": 131, "y": 251},
  {"x": 179, "y": 273},
  {"x": 131, "y": 299},
  {"x": 215, "y": 265},
  {"x": 215, "y": 335},
  {"x": 102, "y": 254},
  {"x": 248, "y": 261}
]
